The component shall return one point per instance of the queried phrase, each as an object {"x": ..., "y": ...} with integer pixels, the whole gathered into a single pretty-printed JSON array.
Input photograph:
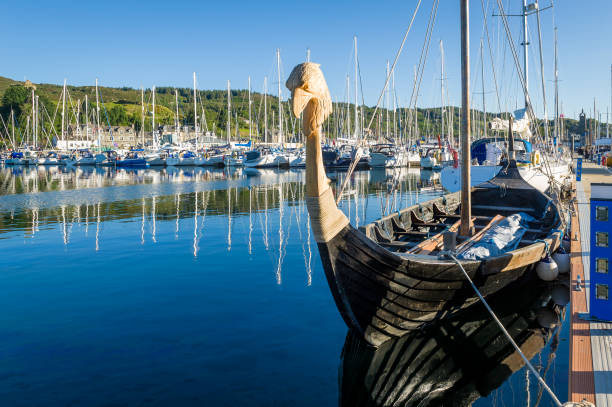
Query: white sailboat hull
[{"x": 536, "y": 176}]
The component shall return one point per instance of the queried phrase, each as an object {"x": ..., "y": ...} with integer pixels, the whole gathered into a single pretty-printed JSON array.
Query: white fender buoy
[
  {"x": 547, "y": 269},
  {"x": 560, "y": 295},
  {"x": 563, "y": 262},
  {"x": 547, "y": 318}
]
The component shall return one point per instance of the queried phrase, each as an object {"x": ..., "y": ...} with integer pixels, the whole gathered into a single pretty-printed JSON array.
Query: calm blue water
[{"x": 181, "y": 287}]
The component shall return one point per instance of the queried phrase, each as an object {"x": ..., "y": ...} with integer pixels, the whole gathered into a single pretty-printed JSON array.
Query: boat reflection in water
[{"x": 458, "y": 360}]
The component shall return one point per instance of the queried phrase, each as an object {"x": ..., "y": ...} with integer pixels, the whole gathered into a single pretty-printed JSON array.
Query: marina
[{"x": 381, "y": 220}]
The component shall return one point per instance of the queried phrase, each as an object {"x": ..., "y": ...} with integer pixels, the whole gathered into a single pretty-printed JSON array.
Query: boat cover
[{"x": 501, "y": 238}]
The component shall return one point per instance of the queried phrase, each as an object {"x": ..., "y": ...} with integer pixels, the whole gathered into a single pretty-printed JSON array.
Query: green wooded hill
[{"x": 122, "y": 107}]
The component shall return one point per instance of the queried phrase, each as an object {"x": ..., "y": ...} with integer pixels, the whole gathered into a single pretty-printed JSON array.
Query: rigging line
[
  {"x": 486, "y": 27},
  {"x": 501, "y": 326},
  {"x": 424, "y": 54},
  {"x": 546, "y": 130},
  {"x": 356, "y": 158},
  {"x": 529, "y": 106}
]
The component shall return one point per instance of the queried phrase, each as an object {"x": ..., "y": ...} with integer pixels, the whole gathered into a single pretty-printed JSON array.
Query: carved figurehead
[{"x": 310, "y": 95}]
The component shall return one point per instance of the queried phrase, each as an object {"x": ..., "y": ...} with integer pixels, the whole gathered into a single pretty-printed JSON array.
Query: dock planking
[{"x": 591, "y": 342}]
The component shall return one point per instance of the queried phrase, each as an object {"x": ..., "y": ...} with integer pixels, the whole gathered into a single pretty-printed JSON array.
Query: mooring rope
[{"x": 501, "y": 326}]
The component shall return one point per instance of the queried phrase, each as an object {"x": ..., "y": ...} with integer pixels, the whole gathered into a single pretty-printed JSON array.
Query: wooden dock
[{"x": 590, "y": 372}]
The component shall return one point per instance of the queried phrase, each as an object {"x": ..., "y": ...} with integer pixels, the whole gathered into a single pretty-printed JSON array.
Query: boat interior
[{"x": 419, "y": 229}]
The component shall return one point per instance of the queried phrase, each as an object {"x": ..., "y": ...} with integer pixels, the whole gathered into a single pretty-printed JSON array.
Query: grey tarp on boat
[{"x": 501, "y": 238}]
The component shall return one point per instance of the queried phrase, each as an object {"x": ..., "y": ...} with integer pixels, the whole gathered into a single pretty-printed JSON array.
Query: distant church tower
[{"x": 582, "y": 128}]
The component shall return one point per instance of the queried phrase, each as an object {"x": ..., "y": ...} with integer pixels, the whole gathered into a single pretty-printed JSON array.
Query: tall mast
[
  {"x": 250, "y": 102},
  {"x": 195, "y": 111},
  {"x": 280, "y": 103},
  {"x": 97, "y": 115},
  {"x": 33, "y": 118},
  {"x": 394, "y": 107},
  {"x": 37, "y": 124},
  {"x": 64, "y": 112},
  {"x": 176, "y": 121},
  {"x": 416, "y": 112},
  {"x": 348, "y": 102},
  {"x": 557, "y": 136},
  {"x": 229, "y": 111},
  {"x": 466, "y": 227},
  {"x": 87, "y": 117},
  {"x": 153, "y": 135},
  {"x": 142, "y": 117},
  {"x": 484, "y": 108},
  {"x": 357, "y": 91},
  {"x": 442, "y": 90},
  {"x": 525, "y": 58},
  {"x": 387, "y": 116},
  {"x": 265, "y": 109}
]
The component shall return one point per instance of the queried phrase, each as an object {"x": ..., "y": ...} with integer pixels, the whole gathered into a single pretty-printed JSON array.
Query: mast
[
  {"x": 142, "y": 116},
  {"x": 525, "y": 59},
  {"x": 176, "y": 121},
  {"x": 87, "y": 117},
  {"x": 357, "y": 90},
  {"x": 195, "y": 112},
  {"x": 466, "y": 227},
  {"x": 394, "y": 107},
  {"x": 64, "y": 112},
  {"x": 229, "y": 111},
  {"x": 33, "y": 118},
  {"x": 348, "y": 109},
  {"x": 98, "y": 115},
  {"x": 484, "y": 108},
  {"x": 442, "y": 89},
  {"x": 265, "y": 109},
  {"x": 557, "y": 137},
  {"x": 153, "y": 136},
  {"x": 37, "y": 124},
  {"x": 387, "y": 115},
  {"x": 251, "y": 102},
  {"x": 280, "y": 103}
]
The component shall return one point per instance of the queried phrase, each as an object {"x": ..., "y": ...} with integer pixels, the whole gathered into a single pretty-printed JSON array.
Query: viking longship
[
  {"x": 457, "y": 360},
  {"x": 390, "y": 277}
]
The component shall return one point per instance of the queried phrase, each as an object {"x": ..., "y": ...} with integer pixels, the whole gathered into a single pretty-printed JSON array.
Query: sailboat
[
  {"x": 392, "y": 276},
  {"x": 541, "y": 169}
]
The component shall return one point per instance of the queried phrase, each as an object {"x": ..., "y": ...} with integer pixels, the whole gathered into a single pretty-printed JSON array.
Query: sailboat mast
[
  {"x": 387, "y": 115},
  {"x": 467, "y": 226},
  {"x": 142, "y": 117},
  {"x": 348, "y": 109},
  {"x": 557, "y": 136},
  {"x": 153, "y": 136},
  {"x": 87, "y": 117},
  {"x": 280, "y": 103},
  {"x": 98, "y": 115},
  {"x": 250, "y": 103},
  {"x": 357, "y": 90},
  {"x": 442, "y": 89},
  {"x": 484, "y": 108},
  {"x": 176, "y": 121},
  {"x": 195, "y": 112},
  {"x": 64, "y": 112},
  {"x": 229, "y": 111},
  {"x": 525, "y": 58},
  {"x": 265, "y": 109}
]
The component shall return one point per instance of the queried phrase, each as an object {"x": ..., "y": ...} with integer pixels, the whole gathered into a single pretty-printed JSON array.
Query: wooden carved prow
[{"x": 310, "y": 95}]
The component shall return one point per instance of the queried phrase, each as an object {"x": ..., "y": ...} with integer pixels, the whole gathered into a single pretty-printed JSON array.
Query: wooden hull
[{"x": 383, "y": 294}]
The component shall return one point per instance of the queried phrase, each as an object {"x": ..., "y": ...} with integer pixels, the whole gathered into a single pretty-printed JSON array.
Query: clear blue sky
[{"x": 130, "y": 43}]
